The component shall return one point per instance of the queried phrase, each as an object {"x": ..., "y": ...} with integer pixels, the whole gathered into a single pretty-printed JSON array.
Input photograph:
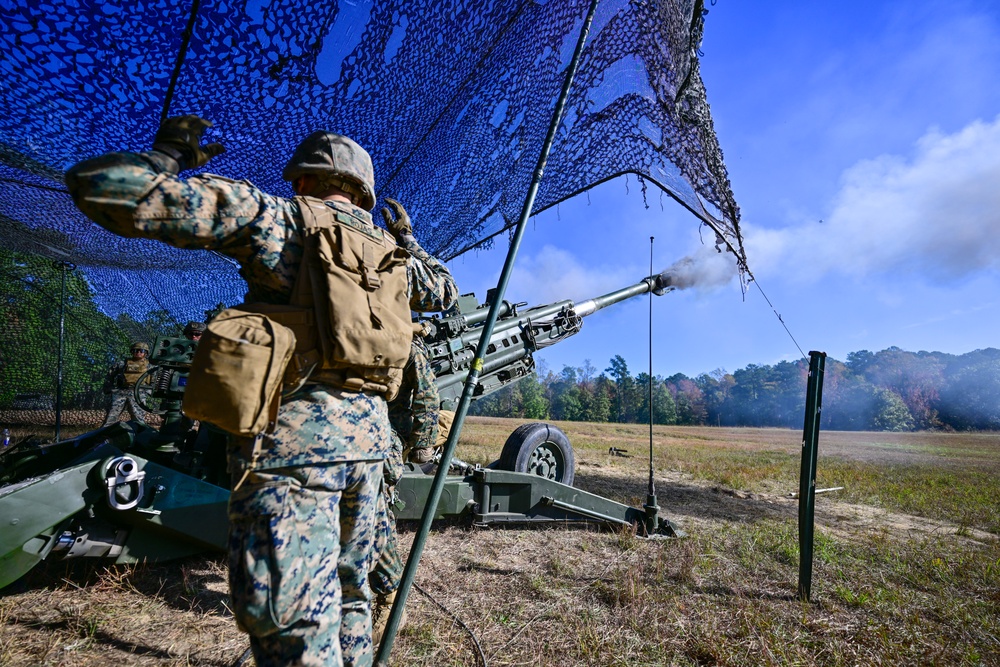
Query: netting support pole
[
  {"x": 651, "y": 507},
  {"x": 807, "y": 474},
  {"x": 430, "y": 507},
  {"x": 65, "y": 266}
]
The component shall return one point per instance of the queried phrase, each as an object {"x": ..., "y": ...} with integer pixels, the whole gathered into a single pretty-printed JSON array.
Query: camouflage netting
[{"x": 452, "y": 99}]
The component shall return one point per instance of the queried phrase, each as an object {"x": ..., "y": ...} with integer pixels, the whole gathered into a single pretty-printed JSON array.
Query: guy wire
[{"x": 778, "y": 315}]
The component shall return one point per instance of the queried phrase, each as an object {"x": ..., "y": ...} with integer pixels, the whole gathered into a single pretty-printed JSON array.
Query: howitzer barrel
[
  {"x": 479, "y": 316},
  {"x": 591, "y": 306},
  {"x": 518, "y": 335}
]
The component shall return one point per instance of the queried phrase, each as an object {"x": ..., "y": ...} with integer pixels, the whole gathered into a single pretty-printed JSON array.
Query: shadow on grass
[
  {"x": 180, "y": 584},
  {"x": 680, "y": 500}
]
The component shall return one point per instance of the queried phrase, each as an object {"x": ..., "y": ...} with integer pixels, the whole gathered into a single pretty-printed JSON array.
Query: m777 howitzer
[
  {"x": 128, "y": 492},
  {"x": 532, "y": 480},
  {"x": 540, "y": 449}
]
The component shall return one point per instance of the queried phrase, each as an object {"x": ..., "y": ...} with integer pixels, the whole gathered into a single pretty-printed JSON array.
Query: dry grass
[{"x": 906, "y": 571}]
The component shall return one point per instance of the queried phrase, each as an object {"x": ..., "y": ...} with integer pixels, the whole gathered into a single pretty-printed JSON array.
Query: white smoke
[
  {"x": 937, "y": 212},
  {"x": 705, "y": 269}
]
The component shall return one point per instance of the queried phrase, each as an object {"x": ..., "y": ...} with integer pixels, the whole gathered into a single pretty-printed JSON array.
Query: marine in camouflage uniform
[
  {"x": 302, "y": 521},
  {"x": 120, "y": 383},
  {"x": 414, "y": 418}
]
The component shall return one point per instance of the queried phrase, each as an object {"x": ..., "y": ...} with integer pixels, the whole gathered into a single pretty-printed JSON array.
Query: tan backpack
[
  {"x": 348, "y": 325},
  {"x": 354, "y": 279}
]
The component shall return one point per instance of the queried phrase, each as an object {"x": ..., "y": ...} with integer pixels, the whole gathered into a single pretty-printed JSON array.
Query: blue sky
[{"x": 863, "y": 145}]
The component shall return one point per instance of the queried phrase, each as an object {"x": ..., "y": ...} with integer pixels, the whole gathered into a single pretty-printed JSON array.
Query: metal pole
[
  {"x": 807, "y": 474},
  {"x": 62, "y": 334},
  {"x": 430, "y": 508},
  {"x": 651, "y": 507},
  {"x": 652, "y": 489}
]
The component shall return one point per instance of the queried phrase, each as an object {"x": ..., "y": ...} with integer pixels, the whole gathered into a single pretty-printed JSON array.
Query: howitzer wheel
[{"x": 540, "y": 449}]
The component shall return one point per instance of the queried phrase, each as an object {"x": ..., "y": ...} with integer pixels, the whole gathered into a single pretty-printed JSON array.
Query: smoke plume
[{"x": 705, "y": 269}]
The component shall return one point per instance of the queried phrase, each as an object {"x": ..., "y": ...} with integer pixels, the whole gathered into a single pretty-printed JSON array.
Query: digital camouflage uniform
[
  {"x": 414, "y": 418},
  {"x": 301, "y": 523},
  {"x": 122, "y": 390}
]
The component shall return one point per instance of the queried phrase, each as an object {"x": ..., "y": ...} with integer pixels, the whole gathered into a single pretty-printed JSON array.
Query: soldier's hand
[
  {"x": 180, "y": 138},
  {"x": 420, "y": 455},
  {"x": 400, "y": 225}
]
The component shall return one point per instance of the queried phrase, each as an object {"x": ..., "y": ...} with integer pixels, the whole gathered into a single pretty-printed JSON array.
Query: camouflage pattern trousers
[
  {"x": 300, "y": 544},
  {"x": 120, "y": 399},
  {"x": 387, "y": 566}
]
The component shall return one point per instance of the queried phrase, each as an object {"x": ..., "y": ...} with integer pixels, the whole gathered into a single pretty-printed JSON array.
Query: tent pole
[
  {"x": 65, "y": 266},
  {"x": 430, "y": 507}
]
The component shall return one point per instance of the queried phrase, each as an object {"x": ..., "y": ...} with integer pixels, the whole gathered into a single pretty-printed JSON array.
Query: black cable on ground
[
  {"x": 243, "y": 658},
  {"x": 475, "y": 640}
]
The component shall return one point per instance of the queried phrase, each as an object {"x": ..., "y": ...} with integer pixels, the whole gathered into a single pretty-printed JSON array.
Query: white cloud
[
  {"x": 935, "y": 213},
  {"x": 555, "y": 274}
]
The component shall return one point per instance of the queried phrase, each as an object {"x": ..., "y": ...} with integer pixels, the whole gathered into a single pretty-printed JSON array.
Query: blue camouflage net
[{"x": 452, "y": 99}]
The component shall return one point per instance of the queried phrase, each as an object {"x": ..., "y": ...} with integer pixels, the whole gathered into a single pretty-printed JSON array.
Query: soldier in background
[
  {"x": 414, "y": 418},
  {"x": 193, "y": 330},
  {"x": 120, "y": 383},
  {"x": 301, "y": 522}
]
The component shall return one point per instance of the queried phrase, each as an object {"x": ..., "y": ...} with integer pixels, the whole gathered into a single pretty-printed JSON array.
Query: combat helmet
[
  {"x": 334, "y": 154},
  {"x": 194, "y": 328},
  {"x": 139, "y": 345}
]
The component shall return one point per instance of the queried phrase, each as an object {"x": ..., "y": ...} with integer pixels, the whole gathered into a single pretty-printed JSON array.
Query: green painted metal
[
  {"x": 420, "y": 539},
  {"x": 807, "y": 473},
  {"x": 59, "y": 511},
  {"x": 457, "y": 496},
  {"x": 32, "y": 514},
  {"x": 179, "y": 515}
]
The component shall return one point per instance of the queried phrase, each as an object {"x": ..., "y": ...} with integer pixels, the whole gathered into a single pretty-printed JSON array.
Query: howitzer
[
  {"x": 540, "y": 449},
  {"x": 129, "y": 492}
]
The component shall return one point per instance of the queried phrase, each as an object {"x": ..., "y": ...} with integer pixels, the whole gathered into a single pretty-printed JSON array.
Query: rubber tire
[{"x": 540, "y": 449}]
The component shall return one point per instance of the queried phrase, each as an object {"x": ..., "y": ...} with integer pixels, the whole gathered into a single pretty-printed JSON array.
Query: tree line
[
  {"x": 890, "y": 390},
  {"x": 31, "y": 301}
]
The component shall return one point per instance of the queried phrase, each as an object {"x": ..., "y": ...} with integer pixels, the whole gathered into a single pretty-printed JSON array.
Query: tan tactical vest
[
  {"x": 350, "y": 305},
  {"x": 133, "y": 371}
]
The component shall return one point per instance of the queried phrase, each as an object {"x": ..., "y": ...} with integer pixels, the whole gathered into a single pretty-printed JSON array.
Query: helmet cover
[{"x": 336, "y": 155}]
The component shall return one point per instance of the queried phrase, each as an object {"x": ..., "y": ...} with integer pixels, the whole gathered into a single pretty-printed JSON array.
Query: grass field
[{"x": 906, "y": 568}]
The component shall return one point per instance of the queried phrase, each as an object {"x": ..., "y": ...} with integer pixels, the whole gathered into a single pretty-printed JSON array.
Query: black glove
[
  {"x": 180, "y": 138},
  {"x": 400, "y": 226}
]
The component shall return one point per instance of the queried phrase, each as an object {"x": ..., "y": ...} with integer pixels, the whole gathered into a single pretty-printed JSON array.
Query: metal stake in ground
[
  {"x": 430, "y": 509},
  {"x": 807, "y": 474}
]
